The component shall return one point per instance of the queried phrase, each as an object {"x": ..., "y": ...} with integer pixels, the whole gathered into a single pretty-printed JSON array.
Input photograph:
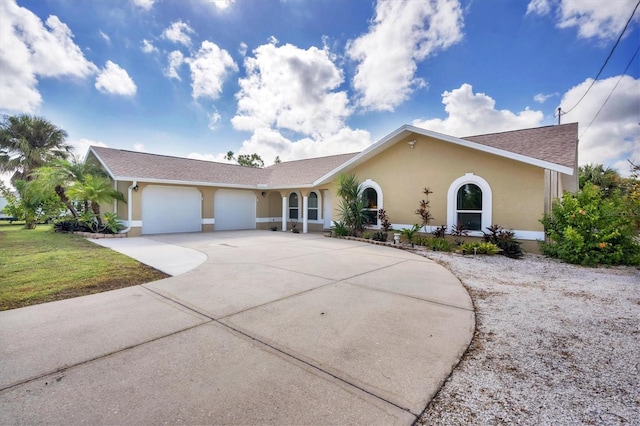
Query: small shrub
[
  {"x": 505, "y": 240},
  {"x": 424, "y": 209},
  {"x": 366, "y": 235},
  {"x": 339, "y": 229},
  {"x": 70, "y": 225},
  {"x": 440, "y": 244},
  {"x": 111, "y": 224},
  {"x": 478, "y": 247},
  {"x": 421, "y": 240},
  {"x": 459, "y": 231},
  {"x": 440, "y": 231},
  {"x": 379, "y": 236},
  {"x": 408, "y": 234}
]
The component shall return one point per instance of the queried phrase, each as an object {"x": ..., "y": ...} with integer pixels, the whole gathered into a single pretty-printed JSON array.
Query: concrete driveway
[{"x": 270, "y": 328}]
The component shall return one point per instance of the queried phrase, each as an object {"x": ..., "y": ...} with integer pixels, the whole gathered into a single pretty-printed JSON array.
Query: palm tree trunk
[
  {"x": 63, "y": 197},
  {"x": 95, "y": 207}
]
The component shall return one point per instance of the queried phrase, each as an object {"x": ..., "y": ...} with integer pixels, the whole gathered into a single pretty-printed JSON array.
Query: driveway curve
[{"x": 272, "y": 328}]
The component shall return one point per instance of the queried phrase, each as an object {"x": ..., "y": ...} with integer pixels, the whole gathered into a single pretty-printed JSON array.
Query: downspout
[{"x": 129, "y": 207}]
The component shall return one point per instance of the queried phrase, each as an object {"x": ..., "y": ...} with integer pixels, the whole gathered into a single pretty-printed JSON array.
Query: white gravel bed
[{"x": 554, "y": 344}]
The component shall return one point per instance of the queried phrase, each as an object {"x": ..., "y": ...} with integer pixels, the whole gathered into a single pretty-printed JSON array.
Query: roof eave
[
  {"x": 406, "y": 129},
  {"x": 102, "y": 163},
  {"x": 187, "y": 182}
]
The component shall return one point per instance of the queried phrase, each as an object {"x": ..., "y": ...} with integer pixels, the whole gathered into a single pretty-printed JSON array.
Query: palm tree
[
  {"x": 28, "y": 142},
  {"x": 60, "y": 175},
  {"x": 95, "y": 190},
  {"x": 352, "y": 204},
  {"x": 606, "y": 178}
]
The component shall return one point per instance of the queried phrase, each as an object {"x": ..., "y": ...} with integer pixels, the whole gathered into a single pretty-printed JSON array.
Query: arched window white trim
[
  {"x": 294, "y": 209},
  {"x": 380, "y": 204},
  {"x": 487, "y": 200},
  {"x": 317, "y": 209}
]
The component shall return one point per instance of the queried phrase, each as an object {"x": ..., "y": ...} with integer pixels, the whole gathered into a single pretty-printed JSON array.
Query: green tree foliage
[
  {"x": 352, "y": 204},
  {"x": 28, "y": 205},
  {"x": 95, "y": 189},
  {"x": 28, "y": 142},
  {"x": 605, "y": 178},
  {"x": 588, "y": 228},
  {"x": 60, "y": 175},
  {"x": 247, "y": 160}
]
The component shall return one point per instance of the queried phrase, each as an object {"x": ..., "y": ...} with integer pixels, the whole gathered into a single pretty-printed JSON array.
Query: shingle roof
[
  {"x": 550, "y": 144},
  {"x": 555, "y": 144},
  {"x": 305, "y": 171},
  {"x": 141, "y": 166}
]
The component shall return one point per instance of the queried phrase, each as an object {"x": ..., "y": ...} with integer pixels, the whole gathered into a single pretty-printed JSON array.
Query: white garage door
[
  {"x": 167, "y": 209},
  {"x": 234, "y": 209}
]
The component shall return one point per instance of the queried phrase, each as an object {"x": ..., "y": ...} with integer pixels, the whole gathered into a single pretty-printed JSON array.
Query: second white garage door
[
  {"x": 233, "y": 209},
  {"x": 168, "y": 209}
]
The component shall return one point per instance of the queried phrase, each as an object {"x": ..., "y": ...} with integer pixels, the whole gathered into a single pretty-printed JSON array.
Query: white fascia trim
[
  {"x": 367, "y": 151},
  {"x": 102, "y": 163},
  {"x": 187, "y": 183},
  {"x": 208, "y": 221},
  {"x": 396, "y": 135},
  {"x": 491, "y": 150}
]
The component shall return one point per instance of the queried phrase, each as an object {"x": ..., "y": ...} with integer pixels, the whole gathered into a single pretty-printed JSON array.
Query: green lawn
[{"x": 39, "y": 265}]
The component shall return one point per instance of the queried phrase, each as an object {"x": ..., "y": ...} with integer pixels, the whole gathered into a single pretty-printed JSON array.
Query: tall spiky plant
[{"x": 352, "y": 204}]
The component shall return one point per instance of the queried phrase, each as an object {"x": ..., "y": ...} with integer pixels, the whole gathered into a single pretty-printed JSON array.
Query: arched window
[
  {"x": 372, "y": 193},
  {"x": 469, "y": 207},
  {"x": 312, "y": 208},
  {"x": 371, "y": 208},
  {"x": 469, "y": 202},
  {"x": 293, "y": 206}
]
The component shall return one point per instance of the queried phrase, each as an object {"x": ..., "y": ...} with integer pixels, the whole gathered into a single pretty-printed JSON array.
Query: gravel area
[{"x": 554, "y": 344}]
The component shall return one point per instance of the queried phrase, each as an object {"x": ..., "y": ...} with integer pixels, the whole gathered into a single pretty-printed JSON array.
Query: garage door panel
[
  {"x": 171, "y": 209},
  {"x": 234, "y": 209}
]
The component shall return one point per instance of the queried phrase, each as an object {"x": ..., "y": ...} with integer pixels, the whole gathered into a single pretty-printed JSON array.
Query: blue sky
[{"x": 301, "y": 78}]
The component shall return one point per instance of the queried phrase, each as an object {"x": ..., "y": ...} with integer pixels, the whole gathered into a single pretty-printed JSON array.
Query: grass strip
[{"x": 39, "y": 265}]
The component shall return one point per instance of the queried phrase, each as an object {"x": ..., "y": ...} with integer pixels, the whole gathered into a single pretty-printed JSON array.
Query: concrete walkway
[{"x": 273, "y": 328}]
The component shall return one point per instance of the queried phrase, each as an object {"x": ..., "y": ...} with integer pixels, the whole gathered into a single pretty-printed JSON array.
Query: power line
[
  {"x": 612, "y": 90},
  {"x": 605, "y": 62}
]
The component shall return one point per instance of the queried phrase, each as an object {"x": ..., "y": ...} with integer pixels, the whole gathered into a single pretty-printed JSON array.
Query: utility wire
[
  {"x": 612, "y": 90},
  {"x": 606, "y": 61}
]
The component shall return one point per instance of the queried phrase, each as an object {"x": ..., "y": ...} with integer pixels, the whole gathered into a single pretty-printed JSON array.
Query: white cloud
[
  {"x": 115, "y": 80},
  {"x": 30, "y": 51},
  {"x": 214, "y": 118},
  {"x": 176, "y": 59},
  {"x": 243, "y": 48},
  {"x": 269, "y": 143},
  {"x": 593, "y": 18},
  {"x": 615, "y": 135},
  {"x": 475, "y": 114},
  {"x": 148, "y": 47},
  {"x": 81, "y": 146},
  {"x": 542, "y": 98},
  {"x": 539, "y": 7},
  {"x": 210, "y": 65},
  {"x": 105, "y": 37},
  {"x": 179, "y": 32},
  {"x": 139, "y": 147},
  {"x": 222, "y": 4},
  {"x": 403, "y": 33},
  {"x": 144, "y": 4},
  {"x": 291, "y": 88}
]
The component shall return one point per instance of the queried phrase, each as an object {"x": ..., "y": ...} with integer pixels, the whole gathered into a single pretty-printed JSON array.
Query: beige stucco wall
[{"x": 402, "y": 172}]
